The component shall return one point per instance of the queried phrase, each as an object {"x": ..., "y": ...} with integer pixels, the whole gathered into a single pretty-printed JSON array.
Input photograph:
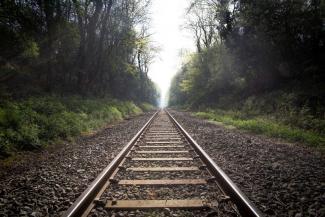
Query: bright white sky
[{"x": 166, "y": 25}]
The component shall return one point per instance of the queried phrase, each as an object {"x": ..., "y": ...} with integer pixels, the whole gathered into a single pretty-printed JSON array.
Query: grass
[
  {"x": 37, "y": 122},
  {"x": 265, "y": 125}
]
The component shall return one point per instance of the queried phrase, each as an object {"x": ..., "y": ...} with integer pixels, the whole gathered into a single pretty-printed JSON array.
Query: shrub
[
  {"x": 4, "y": 145},
  {"x": 28, "y": 137},
  {"x": 35, "y": 122},
  {"x": 128, "y": 108},
  {"x": 113, "y": 114},
  {"x": 146, "y": 107}
]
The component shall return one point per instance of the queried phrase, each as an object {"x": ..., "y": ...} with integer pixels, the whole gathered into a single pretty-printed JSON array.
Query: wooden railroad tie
[
  {"x": 161, "y": 146},
  {"x": 139, "y": 169},
  {"x": 163, "y": 182},
  {"x": 163, "y": 159},
  {"x": 154, "y": 204},
  {"x": 167, "y": 142},
  {"x": 160, "y": 152}
]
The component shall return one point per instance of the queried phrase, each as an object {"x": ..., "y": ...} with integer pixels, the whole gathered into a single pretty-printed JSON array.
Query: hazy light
[{"x": 168, "y": 17}]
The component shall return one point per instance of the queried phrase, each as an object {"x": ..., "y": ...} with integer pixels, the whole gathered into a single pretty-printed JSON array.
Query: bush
[
  {"x": 35, "y": 122},
  {"x": 128, "y": 108},
  {"x": 4, "y": 145},
  {"x": 112, "y": 114},
  {"x": 146, "y": 107}
]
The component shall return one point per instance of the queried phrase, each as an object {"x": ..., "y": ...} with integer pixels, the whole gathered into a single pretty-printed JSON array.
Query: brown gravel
[
  {"x": 281, "y": 179},
  {"x": 51, "y": 180}
]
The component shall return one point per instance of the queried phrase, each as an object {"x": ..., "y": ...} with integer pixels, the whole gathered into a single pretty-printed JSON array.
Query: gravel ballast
[
  {"x": 282, "y": 179},
  {"x": 217, "y": 203},
  {"x": 49, "y": 182}
]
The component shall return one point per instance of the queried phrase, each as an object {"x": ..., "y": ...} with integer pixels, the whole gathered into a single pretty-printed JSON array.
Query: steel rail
[
  {"x": 245, "y": 206},
  {"x": 86, "y": 198}
]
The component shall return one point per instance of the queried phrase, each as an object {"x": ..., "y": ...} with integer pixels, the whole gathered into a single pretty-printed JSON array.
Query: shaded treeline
[
  {"x": 262, "y": 54},
  {"x": 85, "y": 47}
]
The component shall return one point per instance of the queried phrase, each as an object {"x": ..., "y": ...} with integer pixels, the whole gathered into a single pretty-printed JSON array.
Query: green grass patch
[
  {"x": 265, "y": 125},
  {"x": 36, "y": 122}
]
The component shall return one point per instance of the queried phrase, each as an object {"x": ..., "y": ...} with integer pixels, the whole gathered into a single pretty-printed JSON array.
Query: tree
[
  {"x": 85, "y": 47},
  {"x": 247, "y": 48}
]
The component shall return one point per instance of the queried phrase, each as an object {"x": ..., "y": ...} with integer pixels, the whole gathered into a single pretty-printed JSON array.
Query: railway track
[{"x": 163, "y": 168}]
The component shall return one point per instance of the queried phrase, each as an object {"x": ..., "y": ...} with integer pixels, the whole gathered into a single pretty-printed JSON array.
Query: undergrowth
[
  {"x": 267, "y": 125},
  {"x": 146, "y": 106},
  {"x": 36, "y": 122}
]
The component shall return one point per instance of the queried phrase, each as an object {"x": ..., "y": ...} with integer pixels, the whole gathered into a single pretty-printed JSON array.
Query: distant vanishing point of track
[{"x": 161, "y": 168}]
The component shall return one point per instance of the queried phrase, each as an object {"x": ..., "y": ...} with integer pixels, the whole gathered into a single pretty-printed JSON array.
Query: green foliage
[
  {"x": 31, "y": 50},
  {"x": 73, "y": 47},
  {"x": 250, "y": 51},
  {"x": 264, "y": 125},
  {"x": 262, "y": 62},
  {"x": 36, "y": 122},
  {"x": 275, "y": 114},
  {"x": 146, "y": 107},
  {"x": 292, "y": 109},
  {"x": 204, "y": 77},
  {"x": 128, "y": 108}
]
